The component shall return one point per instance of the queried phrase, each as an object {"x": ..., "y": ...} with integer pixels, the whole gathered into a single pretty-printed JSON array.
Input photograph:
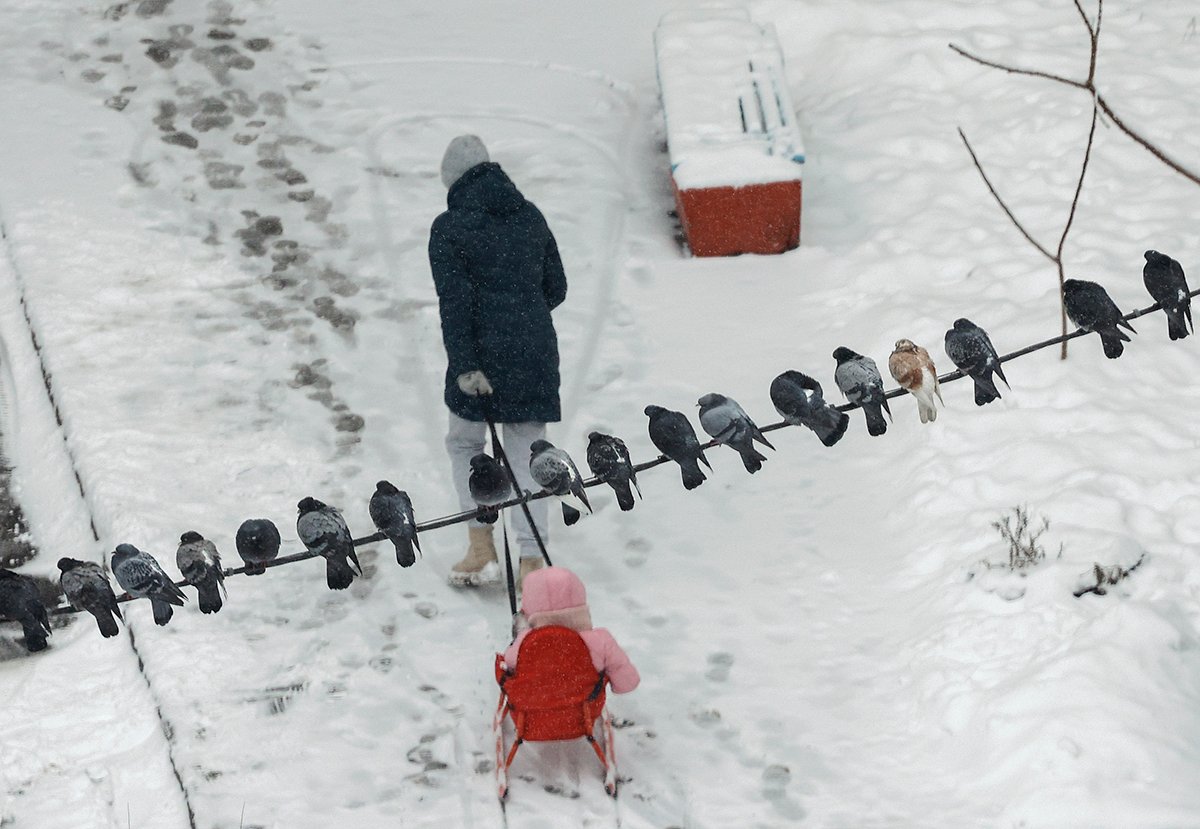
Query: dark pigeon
[
  {"x": 726, "y": 422},
  {"x": 554, "y": 471},
  {"x": 1091, "y": 308},
  {"x": 392, "y": 511},
  {"x": 141, "y": 576},
  {"x": 798, "y": 399},
  {"x": 859, "y": 379},
  {"x": 200, "y": 563},
  {"x": 323, "y": 531},
  {"x": 972, "y": 352},
  {"x": 672, "y": 434},
  {"x": 21, "y": 602},
  {"x": 87, "y": 588},
  {"x": 489, "y": 485},
  {"x": 1166, "y": 283},
  {"x": 257, "y": 543},
  {"x": 609, "y": 460}
]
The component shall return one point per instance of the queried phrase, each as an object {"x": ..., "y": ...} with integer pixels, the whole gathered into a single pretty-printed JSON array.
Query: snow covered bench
[{"x": 736, "y": 152}]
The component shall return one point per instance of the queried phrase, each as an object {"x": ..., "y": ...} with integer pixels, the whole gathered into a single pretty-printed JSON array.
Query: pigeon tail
[
  {"x": 758, "y": 435},
  {"x": 751, "y": 458},
  {"x": 829, "y": 425},
  {"x": 405, "y": 556},
  {"x": 209, "y": 595},
  {"x": 692, "y": 476},
  {"x": 162, "y": 611},
  {"x": 35, "y": 637},
  {"x": 985, "y": 389},
  {"x": 624, "y": 494},
  {"x": 106, "y": 622},
  {"x": 876, "y": 424},
  {"x": 1124, "y": 323},
  {"x": 1176, "y": 325},
  {"x": 338, "y": 574},
  {"x": 1113, "y": 347},
  {"x": 704, "y": 461}
]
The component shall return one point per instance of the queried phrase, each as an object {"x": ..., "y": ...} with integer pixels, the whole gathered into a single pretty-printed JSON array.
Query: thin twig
[
  {"x": 461, "y": 517},
  {"x": 1007, "y": 212},
  {"x": 1146, "y": 144},
  {"x": 1015, "y": 70}
]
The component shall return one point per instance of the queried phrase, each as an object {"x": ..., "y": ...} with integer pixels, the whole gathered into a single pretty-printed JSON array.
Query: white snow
[{"x": 819, "y": 643}]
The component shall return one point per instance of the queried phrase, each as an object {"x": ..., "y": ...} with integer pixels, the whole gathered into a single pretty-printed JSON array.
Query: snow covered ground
[{"x": 215, "y": 220}]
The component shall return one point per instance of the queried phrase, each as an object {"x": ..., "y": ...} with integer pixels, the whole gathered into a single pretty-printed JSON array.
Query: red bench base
[{"x": 725, "y": 221}]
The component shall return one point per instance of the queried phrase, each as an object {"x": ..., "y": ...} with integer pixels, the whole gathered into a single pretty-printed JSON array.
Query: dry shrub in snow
[{"x": 1023, "y": 547}]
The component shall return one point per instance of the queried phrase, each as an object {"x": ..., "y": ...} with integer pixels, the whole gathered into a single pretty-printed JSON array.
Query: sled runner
[{"x": 555, "y": 693}]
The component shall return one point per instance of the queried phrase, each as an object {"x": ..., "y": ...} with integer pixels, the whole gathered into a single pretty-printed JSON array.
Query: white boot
[{"x": 479, "y": 566}]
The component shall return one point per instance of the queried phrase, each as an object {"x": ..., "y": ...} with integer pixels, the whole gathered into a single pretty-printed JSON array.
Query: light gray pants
[{"x": 465, "y": 439}]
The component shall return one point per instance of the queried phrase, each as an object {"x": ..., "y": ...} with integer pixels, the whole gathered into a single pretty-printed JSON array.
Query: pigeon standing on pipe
[
  {"x": 258, "y": 544},
  {"x": 672, "y": 434},
  {"x": 141, "y": 576},
  {"x": 489, "y": 485},
  {"x": 323, "y": 531},
  {"x": 556, "y": 473},
  {"x": 859, "y": 379},
  {"x": 1166, "y": 283},
  {"x": 727, "y": 422},
  {"x": 21, "y": 602},
  {"x": 970, "y": 349},
  {"x": 200, "y": 563},
  {"x": 608, "y": 458},
  {"x": 392, "y": 511},
  {"x": 913, "y": 368},
  {"x": 1091, "y": 308},
  {"x": 798, "y": 399},
  {"x": 87, "y": 588}
]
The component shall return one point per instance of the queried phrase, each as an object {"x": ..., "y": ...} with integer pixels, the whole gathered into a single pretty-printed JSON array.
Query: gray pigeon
[
  {"x": 972, "y": 352},
  {"x": 200, "y": 563},
  {"x": 489, "y": 485},
  {"x": 323, "y": 531},
  {"x": 798, "y": 399},
  {"x": 141, "y": 576},
  {"x": 726, "y": 422},
  {"x": 21, "y": 602},
  {"x": 87, "y": 588},
  {"x": 1091, "y": 308},
  {"x": 556, "y": 473},
  {"x": 257, "y": 543},
  {"x": 1166, "y": 283},
  {"x": 859, "y": 379},
  {"x": 609, "y": 460},
  {"x": 673, "y": 435},
  {"x": 392, "y": 511}
]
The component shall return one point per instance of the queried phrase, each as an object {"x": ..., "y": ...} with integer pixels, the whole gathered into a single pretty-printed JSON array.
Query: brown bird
[{"x": 913, "y": 369}]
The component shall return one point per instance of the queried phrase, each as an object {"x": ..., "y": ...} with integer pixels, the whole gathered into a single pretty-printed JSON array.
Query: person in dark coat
[{"x": 498, "y": 276}]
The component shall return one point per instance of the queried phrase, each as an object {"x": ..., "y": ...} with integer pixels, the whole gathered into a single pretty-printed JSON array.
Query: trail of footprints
[{"x": 211, "y": 95}]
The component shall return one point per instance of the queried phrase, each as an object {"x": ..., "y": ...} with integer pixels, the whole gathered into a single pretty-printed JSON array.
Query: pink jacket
[{"x": 556, "y": 596}]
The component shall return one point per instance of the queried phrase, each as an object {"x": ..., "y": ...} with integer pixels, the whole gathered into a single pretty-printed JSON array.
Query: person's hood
[
  {"x": 485, "y": 187},
  {"x": 555, "y": 596}
]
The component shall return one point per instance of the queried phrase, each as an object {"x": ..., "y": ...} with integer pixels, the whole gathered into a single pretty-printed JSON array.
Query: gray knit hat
[{"x": 464, "y": 152}]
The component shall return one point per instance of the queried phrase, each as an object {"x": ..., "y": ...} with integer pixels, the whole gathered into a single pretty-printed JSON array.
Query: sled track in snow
[{"x": 7, "y": 377}]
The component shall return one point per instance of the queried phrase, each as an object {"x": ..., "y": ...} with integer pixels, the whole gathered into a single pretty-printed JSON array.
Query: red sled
[{"x": 555, "y": 693}]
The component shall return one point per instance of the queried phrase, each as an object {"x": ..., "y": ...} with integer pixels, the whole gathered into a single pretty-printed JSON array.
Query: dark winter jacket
[{"x": 498, "y": 275}]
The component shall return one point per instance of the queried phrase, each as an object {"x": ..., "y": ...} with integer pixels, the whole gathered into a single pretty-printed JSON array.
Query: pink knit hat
[{"x": 555, "y": 596}]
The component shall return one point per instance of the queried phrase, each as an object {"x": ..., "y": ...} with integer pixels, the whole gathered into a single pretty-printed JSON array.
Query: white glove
[{"x": 474, "y": 383}]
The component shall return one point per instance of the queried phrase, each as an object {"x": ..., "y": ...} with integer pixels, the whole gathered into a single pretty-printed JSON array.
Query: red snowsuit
[{"x": 556, "y": 596}]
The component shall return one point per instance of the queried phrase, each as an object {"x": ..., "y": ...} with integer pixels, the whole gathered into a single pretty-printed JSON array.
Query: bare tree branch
[
  {"x": 1093, "y": 35},
  {"x": 1087, "y": 154},
  {"x": 1147, "y": 145},
  {"x": 1000, "y": 201},
  {"x": 1016, "y": 70}
]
